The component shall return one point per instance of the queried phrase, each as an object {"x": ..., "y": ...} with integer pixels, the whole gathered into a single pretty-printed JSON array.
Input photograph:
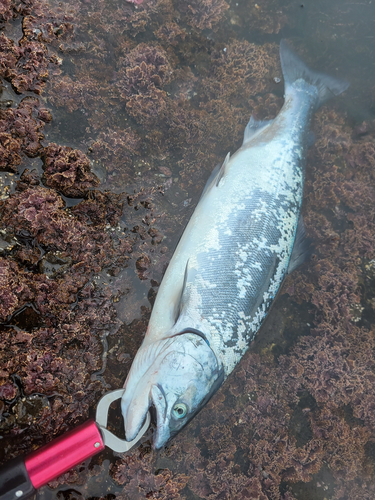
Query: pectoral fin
[
  {"x": 190, "y": 273},
  {"x": 223, "y": 169},
  {"x": 211, "y": 179}
]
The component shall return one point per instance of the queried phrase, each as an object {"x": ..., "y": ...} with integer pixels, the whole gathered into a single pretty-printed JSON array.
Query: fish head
[{"x": 181, "y": 377}]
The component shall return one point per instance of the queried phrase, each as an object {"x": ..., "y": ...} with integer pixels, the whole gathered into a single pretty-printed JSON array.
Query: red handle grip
[{"x": 63, "y": 453}]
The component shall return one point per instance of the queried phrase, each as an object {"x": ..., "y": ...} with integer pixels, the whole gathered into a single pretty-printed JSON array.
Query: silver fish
[{"x": 244, "y": 236}]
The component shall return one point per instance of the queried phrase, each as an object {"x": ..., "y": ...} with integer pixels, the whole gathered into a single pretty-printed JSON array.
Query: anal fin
[
  {"x": 310, "y": 139},
  {"x": 302, "y": 248}
]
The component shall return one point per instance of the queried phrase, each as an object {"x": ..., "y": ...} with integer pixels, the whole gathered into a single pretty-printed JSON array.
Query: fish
[{"x": 244, "y": 236}]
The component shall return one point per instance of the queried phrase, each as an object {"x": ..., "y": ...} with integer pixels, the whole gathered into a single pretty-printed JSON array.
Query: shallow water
[{"x": 296, "y": 418}]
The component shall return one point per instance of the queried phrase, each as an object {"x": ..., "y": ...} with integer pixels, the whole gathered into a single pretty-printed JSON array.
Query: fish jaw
[
  {"x": 134, "y": 411},
  {"x": 136, "y": 399},
  {"x": 162, "y": 434}
]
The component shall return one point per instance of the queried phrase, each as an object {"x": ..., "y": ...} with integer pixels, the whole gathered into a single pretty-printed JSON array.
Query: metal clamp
[{"x": 110, "y": 440}]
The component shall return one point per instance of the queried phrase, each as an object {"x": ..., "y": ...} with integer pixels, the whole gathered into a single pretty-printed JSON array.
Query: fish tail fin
[{"x": 295, "y": 69}]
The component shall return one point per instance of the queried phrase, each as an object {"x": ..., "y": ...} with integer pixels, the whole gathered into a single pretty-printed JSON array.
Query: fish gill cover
[{"x": 112, "y": 117}]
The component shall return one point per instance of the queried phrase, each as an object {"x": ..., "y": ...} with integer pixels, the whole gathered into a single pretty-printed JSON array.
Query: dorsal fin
[
  {"x": 302, "y": 248},
  {"x": 222, "y": 170},
  {"x": 253, "y": 127}
]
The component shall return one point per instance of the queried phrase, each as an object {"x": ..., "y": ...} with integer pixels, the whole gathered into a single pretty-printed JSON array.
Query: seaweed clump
[
  {"x": 21, "y": 132},
  {"x": 68, "y": 171},
  {"x": 13, "y": 290},
  {"x": 25, "y": 66},
  {"x": 146, "y": 70},
  {"x": 136, "y": 474},
  {"x": 204, "y": 14}
]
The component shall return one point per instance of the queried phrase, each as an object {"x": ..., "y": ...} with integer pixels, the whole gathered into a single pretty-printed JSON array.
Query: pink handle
[{"x": 63, "y": 453}]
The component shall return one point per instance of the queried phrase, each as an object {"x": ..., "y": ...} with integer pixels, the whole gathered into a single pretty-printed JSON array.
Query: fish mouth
[
  {"x": 159, "y": 401},
  {"x": 137, "y": 396},
  {"x": 134, "y": 412}
]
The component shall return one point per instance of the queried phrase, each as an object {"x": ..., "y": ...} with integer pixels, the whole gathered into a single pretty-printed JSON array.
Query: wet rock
[{"x": 28, "y": 410}]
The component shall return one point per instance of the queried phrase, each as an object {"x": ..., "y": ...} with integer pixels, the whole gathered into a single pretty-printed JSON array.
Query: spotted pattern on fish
[{"x": 240, "y": 263}]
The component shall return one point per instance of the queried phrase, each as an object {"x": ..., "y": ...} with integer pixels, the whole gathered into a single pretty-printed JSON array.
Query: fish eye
[{"x": 179, "y": 410}]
